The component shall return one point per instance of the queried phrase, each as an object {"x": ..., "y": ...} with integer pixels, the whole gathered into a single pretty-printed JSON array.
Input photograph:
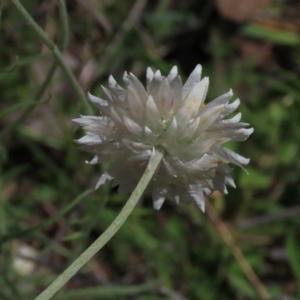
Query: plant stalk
[
  {"x": 55, "y": 51},
  {"x": 110, "y": 231}
]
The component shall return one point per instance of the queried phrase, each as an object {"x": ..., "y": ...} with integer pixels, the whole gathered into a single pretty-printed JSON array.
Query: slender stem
[
  {"x": 57, "y": 54},
  {"x": 11, "y": 126},
  {"x": 62, "y": 46},
  {"x": 1, "y": 3},
  {"x": 3, "y": 221},
  {"x": 11, "y": 285},
  {"x": 237, "y": 252},
  {"x": 63, "y": 16},
  {"x": 110, "y": 231},
  {"x": 111, "y": 292},
  {"x": 26, "y": 232}
]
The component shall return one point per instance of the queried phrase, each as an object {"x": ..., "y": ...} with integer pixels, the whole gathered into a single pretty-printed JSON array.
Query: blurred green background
[{"x": 175, "y": 253}]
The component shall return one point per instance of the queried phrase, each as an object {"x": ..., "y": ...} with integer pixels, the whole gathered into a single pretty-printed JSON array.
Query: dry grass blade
[{"x": 227, "y": 237}]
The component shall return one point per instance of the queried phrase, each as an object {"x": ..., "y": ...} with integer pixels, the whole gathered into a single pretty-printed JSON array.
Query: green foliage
[
  {"x": 293, "y": 250},
  {"x": 270, "y": 34},
  {"x": 46, "y": 202}
]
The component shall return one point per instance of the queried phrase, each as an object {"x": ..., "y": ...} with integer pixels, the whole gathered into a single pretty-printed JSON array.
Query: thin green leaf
[
  {"x": 41, "y": 225},
  {"x": 108, "y": 292},
  {"x": 274, "y": 35},
  {"x": 11, "y": 285},
  {"x": 293, "y": 250},
  {"x": 241, "y": 285}
]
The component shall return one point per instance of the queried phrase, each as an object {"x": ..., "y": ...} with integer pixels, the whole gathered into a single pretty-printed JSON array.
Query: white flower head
[{"x": 134, "y": 121}]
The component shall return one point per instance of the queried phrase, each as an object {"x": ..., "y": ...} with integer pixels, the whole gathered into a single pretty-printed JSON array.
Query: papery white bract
[{"x": 134, "y": 121}]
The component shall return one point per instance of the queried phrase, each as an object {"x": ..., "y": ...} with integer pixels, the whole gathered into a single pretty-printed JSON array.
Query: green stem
[
  {"x": 3, "y": 223},
  {"x": 63, "y": 16},
  {"x": 112, "y": 292},
  {"x": 12, "y": 286},
  {"x": 24, "y": 233},
  {"x": 11, "y": 126},
  {"x": 1, "y": 3},
  {"x": 110, "y": 231},
  {"x": 57, "y": 54},
  {"x": 62, "y": 46}
]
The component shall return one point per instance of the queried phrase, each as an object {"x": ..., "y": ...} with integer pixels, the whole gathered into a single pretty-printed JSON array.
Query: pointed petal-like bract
[
  {"x": 173, "y": 73},
  {"x": 159, "y": 196},
  {"x": 136, "y": 120},
  {"x": 193, "y": 79},
  {"x": 193, "y": 102}
]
